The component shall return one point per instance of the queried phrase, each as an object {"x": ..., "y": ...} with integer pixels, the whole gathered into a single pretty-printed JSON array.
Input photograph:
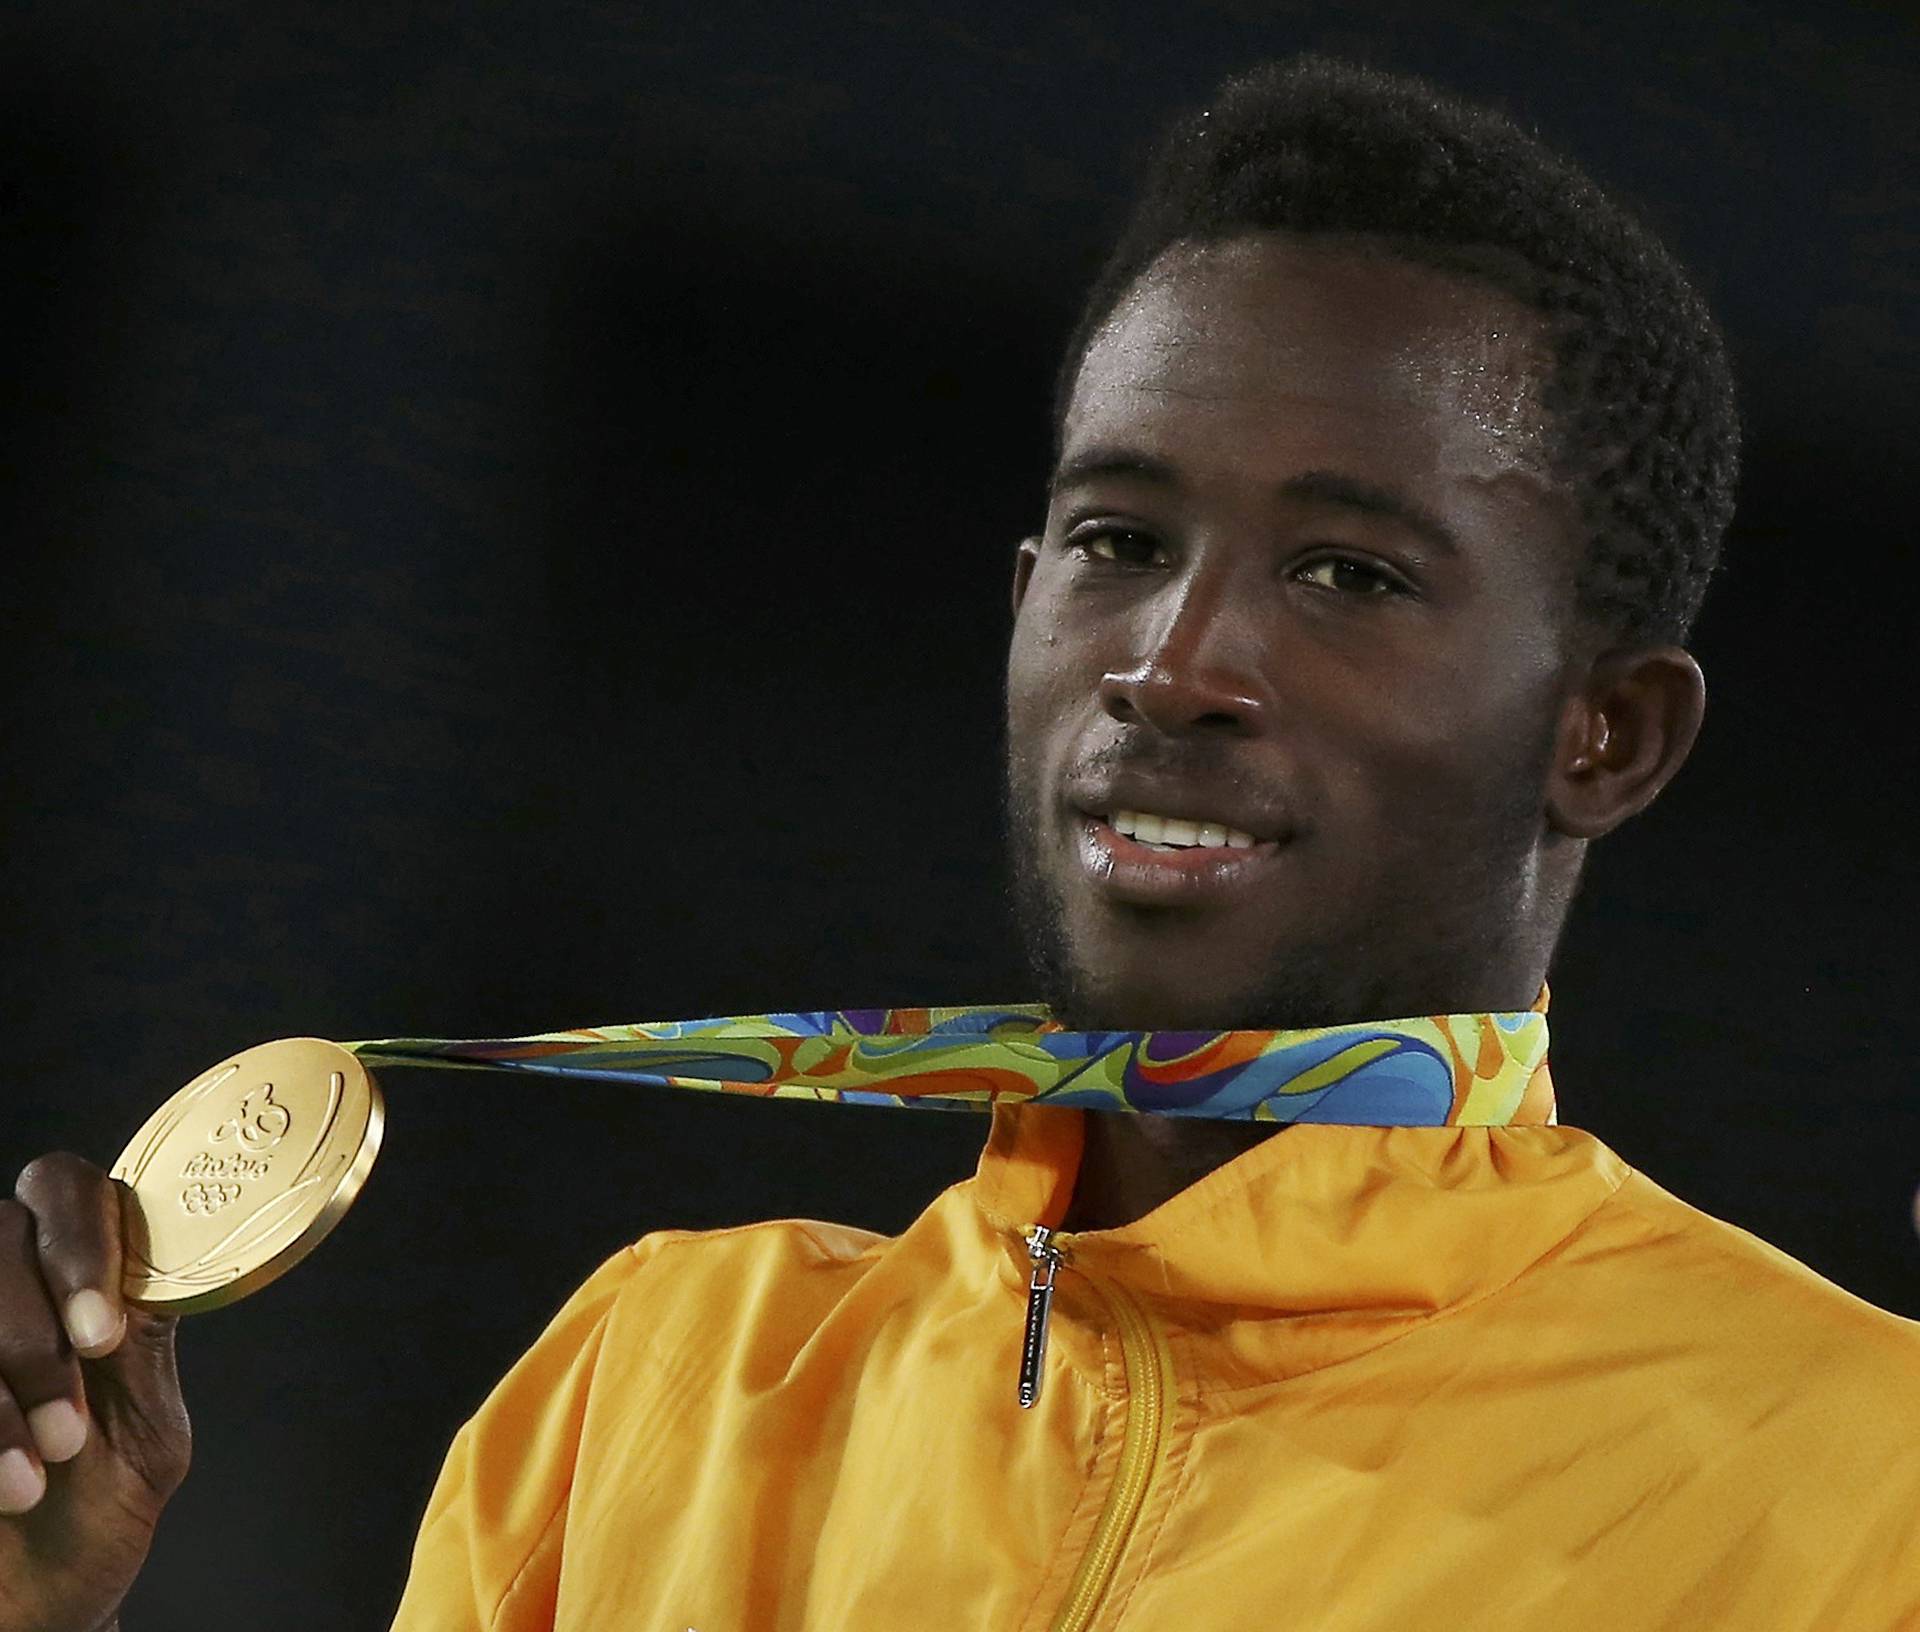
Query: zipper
[
  {"x": 1047, "y": 1259},
  {"x": 1149, "y": 1374}
]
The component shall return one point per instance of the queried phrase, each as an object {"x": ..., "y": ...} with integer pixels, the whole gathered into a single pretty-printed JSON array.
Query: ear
[
  {"x": 1024, "y": 560},
  {"x": 1623, "y": 736}
]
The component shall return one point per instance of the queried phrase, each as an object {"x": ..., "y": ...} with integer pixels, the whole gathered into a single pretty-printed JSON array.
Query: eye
[
  {"x": 1350, "y": 577},
  {"x": 1124, "y": 546}
]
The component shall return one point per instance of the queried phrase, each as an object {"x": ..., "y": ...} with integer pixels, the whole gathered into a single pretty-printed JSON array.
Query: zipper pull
[{"x": 1033, "y": 1350}]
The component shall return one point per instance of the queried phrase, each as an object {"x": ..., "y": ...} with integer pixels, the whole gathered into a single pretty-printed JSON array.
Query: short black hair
[{"x": 1641, "y": 392}]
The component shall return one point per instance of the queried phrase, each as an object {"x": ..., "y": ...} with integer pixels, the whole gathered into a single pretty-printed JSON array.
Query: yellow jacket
[{"x": 1359, "y": 1379}]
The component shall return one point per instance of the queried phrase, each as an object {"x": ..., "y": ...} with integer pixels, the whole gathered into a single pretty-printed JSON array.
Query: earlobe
[
  {"x": 1623, "y": 738},
  {"x": 1025, "y": 557}
]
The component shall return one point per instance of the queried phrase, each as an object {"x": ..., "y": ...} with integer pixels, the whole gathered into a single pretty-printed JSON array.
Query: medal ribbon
[{"x": 1464, "y": 1070}]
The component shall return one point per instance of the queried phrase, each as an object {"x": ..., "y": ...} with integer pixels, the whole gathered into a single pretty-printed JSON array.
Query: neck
[{"x": 1130, "y": 1164}]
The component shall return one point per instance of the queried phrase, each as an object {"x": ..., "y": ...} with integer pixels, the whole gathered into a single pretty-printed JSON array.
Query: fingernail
[
  {"x": 58, "y": 1430},
  {"x": 91, "y": 1322},
  {"x": 21, "y": 1483}
]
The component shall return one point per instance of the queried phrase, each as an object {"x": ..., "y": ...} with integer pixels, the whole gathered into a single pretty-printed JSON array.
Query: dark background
[{"x": 507, "y": 512}]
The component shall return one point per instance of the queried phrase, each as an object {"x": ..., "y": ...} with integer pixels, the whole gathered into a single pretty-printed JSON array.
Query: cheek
[
  {"x": 1028, "y": 675},
  {"x": 1040, "y": 667},
  {"x": 1421, "y": 752}
]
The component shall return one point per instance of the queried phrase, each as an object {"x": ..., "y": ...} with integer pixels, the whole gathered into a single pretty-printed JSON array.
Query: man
[{"x": 1392, "y": 463}]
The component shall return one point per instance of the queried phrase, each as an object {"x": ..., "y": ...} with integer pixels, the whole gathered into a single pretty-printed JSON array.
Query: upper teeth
[{"x": 1151, "y": 829}]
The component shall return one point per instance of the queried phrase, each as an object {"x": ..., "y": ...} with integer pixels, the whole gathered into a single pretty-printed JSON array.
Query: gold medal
[{"x": 244, "y": 1172}]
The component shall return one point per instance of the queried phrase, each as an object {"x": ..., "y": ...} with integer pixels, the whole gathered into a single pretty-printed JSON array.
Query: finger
[
  {"x": 77, "y": 1215},
  {"x": 135, "y": 1405},
  {"x": 23, "y": 1477},
  {"x": 132, "y": 1398},
  {"x": 37, "y": 1367}
]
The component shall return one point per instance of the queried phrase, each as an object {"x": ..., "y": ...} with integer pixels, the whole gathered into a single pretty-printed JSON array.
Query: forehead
[{"x": 1271, "y": 347}]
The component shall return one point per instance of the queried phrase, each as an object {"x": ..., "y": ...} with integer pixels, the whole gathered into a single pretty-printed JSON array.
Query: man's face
[{"x": 1304, "y": 575}]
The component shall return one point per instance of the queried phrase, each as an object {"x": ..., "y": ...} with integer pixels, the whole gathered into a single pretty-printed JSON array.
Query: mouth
[{"x": 1144, "y": 860}]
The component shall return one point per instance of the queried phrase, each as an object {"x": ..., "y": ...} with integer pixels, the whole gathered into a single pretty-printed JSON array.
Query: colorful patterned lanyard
[{"x": 1465, "y": 1070}]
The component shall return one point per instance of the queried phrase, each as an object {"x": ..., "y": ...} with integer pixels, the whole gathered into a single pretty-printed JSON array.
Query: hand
[{"x": 94, "y": 1436}]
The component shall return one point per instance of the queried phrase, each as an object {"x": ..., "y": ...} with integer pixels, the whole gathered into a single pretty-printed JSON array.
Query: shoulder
[
  {"x": 1752, "y": 1272},
  {"x": 1763, "y": 1396},
  {"x": 808, "y": 1248},
  {"x": 594, "y": 1388},
  {"x": 781, "y": 1273},
  {"x": 675, "y": 1301},
  {"x": 1761, "y": 1324}
]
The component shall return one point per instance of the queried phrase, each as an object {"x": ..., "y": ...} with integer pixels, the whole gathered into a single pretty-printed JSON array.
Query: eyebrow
[{"x": 1314, "y": 486}]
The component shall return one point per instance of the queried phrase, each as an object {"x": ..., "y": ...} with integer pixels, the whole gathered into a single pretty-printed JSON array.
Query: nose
[{"x": 1196, "y": 671}]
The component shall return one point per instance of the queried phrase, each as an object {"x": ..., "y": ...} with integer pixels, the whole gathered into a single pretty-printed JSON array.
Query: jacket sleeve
[{"x": 487, "y": 1556}]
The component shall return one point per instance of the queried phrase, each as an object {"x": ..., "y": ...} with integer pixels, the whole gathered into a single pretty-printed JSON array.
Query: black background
[{"x": 507, "y": 515}]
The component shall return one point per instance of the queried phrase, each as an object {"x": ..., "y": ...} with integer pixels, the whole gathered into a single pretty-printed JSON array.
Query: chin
[
  {"x": 1297, "y": 987},
  {"x": 1145, "y": 1002}
]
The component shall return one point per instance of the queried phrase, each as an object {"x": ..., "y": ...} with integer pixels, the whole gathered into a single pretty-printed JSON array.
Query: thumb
[{"x": 133, "y": 1394}]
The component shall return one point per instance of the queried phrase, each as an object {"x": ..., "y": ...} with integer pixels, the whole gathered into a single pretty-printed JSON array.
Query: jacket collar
[{"x": 1319, "y": 1242}]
